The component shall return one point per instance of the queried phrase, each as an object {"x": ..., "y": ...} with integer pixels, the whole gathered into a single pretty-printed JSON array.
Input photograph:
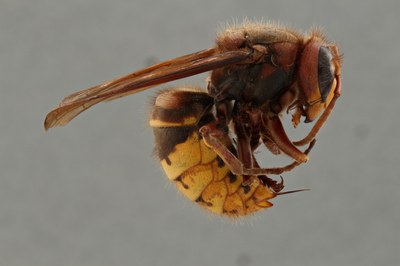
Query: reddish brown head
[{"x": 319, "y": 75}]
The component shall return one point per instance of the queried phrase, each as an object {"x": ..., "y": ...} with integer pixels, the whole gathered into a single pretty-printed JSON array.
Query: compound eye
[{"x": 326, "y": 72}]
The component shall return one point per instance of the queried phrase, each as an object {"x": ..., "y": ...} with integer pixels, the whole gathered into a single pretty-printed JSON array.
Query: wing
[{"x": 184, "y": 66}]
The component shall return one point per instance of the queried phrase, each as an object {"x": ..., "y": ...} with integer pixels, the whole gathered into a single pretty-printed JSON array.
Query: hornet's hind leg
[{"x": 211, "y": 136}]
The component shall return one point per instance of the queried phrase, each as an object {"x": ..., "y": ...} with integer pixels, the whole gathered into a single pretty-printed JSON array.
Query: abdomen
[{"x": 198, "y": 172}]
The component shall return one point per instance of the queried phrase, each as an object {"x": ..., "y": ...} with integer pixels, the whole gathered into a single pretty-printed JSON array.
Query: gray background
[{"x": 91, "y": 193}]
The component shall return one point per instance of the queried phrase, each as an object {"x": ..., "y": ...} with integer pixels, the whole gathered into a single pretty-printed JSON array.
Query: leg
[
  {"x": 272, "y": 126},
  {"x": 211, "y": 136}
]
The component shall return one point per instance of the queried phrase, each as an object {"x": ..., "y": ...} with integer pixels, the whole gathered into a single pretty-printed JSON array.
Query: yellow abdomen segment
[{"x": 202, "y": 177}]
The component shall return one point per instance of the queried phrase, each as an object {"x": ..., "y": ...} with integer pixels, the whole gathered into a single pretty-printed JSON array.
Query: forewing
[{"x": 170, "y": 70}]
